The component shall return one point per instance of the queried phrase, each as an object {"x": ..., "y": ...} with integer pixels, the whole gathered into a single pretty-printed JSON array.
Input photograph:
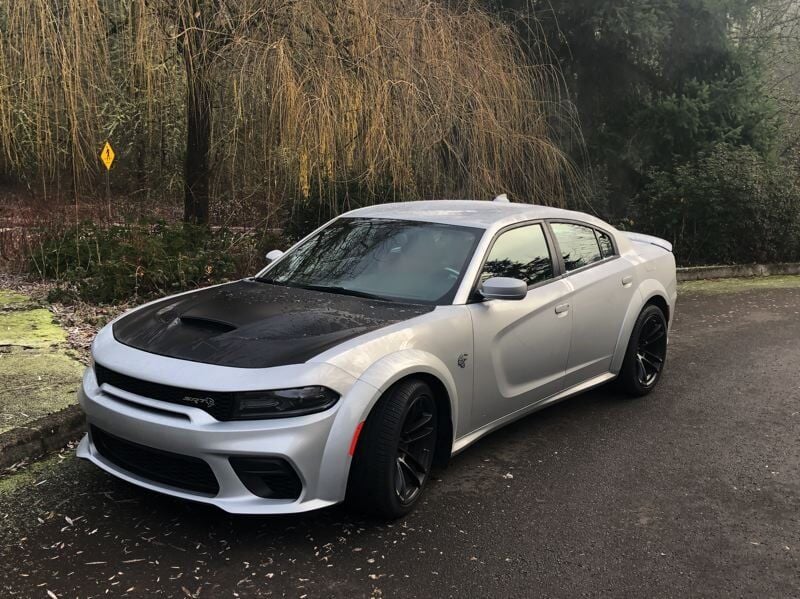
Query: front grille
[
  {"x": 217, "y": 403},
  {"x": 175, "y": 470}
]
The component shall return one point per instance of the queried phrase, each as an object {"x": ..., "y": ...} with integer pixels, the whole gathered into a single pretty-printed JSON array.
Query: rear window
[{"x": 578, "y": 245}]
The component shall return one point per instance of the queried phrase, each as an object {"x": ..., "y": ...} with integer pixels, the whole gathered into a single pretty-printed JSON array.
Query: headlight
[{"x": 283, "y": 403}]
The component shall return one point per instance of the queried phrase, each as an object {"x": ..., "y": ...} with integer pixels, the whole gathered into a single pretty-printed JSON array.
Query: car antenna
[{"x": 503, "y": 198}]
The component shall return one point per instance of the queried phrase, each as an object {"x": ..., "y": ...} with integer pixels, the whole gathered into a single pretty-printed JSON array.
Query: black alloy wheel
[
  {"x": 646, "y": 353},
  {"x": 651, "y": 350},
  {"x": 395, "y": 451},
  {"x": 415, "y": 449}
]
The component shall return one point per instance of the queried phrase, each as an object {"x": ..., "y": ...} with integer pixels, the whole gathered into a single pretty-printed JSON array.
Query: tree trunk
[{"x": 197, "y": 177}]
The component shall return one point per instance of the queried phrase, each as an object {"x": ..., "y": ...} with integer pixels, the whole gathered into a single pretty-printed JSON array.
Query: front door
[{"x": 521, "y": 346}]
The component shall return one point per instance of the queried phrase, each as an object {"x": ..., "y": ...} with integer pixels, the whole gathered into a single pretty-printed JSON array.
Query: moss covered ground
[
  {"x": 37, "y": 375},
  {"x": 34, "y": 472},
  {"x": 12, "y": 299},
  {"x": 34, "y": 384},
  {"x": 30, "y": 328}
]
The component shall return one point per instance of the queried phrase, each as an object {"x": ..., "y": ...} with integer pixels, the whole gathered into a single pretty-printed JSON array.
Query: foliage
[
  {"x": 315, "y": 107},
  {"x": 305, "y": 100},
  {"x": 655, "y": 84},
  {"x": 679, "y": 134},
  {"x": 124, "y": 262},
  {"x": 729, "y": 206}
]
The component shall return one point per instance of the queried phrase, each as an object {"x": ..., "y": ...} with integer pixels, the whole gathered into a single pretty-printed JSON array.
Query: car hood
[{"x": 250, "y": 324}]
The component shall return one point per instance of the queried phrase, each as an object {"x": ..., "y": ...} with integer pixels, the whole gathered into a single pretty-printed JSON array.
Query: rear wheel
[
  {"x": 395, "y": 450},
  {"x": 646, "y": 353}
]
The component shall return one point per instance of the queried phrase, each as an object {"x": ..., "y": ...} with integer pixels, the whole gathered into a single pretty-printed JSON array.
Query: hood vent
[{"x": 207, "y": 324}]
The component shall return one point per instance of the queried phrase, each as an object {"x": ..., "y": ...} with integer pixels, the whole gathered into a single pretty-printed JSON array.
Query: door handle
[
  {"x": 562, "y": 308},
  {"x": 627, "y": 280}
]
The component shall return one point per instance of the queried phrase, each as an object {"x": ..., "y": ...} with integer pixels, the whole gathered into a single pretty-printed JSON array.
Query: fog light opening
[{"x": 270, "y": 478}]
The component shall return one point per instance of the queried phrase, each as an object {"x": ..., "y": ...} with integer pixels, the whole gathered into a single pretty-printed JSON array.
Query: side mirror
[
  {"x": 504, "y": 288},
  {"x": 274, "y": 255}
]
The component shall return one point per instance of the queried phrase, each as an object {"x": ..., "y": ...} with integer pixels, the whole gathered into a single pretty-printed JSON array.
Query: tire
[
  {"x": 646, "y": 353},
  {"x": 395, "y": 452}
]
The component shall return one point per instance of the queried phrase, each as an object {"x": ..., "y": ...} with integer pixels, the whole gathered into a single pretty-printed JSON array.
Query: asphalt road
[{"x": 692, "y": 491}]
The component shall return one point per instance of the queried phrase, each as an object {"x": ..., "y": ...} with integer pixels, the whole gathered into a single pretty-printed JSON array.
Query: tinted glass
[
  {"x": 389, "y": 259},
  {"x": 578, "y": 245},
  {"x": 520, "y": 253},
  {"x": 606, "y": 247}
]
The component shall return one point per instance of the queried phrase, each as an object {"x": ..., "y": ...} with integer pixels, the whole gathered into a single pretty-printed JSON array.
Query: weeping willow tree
[
  {"x": 334, "y": 102},
  {"x": 52, "y": 74}
]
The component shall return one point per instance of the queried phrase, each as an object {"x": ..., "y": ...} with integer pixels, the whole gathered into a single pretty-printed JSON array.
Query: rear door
[
  {"x": 521, "y": 346},
  {"x": 602, "y": 286}
]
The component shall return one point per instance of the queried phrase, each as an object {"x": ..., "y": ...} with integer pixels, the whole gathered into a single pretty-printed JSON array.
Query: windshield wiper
[
  {"x": 336, "y": 289},
  {"x": 341, "y": 291},
  {"x": 329, "y": 289}
]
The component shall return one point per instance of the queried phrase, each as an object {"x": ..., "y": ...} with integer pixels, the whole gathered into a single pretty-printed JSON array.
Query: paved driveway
[{"x": 693, "y": 491}]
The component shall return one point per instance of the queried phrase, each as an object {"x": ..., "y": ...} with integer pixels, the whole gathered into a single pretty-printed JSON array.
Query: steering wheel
[{"x": 452, "y": 272}]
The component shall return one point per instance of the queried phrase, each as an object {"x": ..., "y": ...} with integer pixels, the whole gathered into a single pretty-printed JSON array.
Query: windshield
[{"x": 417, "y": 262}]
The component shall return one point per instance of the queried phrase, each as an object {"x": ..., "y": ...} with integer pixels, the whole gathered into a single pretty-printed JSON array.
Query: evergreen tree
[{"x": 656, "y": 83}]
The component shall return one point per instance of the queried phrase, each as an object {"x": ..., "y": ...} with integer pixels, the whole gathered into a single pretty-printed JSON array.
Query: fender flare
[
  {"x": 647, "y": 290},
  {"x": 395, "y": 366},
  {"x": 362, "y": 397}
]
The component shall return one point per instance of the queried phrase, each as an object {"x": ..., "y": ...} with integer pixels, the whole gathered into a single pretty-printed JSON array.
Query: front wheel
[
  {"x": 395, "y": 450},
  {"x": 646, "y": 353}
]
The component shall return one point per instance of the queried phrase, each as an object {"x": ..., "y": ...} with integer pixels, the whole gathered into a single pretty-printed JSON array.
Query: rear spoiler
[{"x": 642, "y": 238}]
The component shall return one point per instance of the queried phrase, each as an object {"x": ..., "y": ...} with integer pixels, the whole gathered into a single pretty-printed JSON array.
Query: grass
[{"x": 738, "y": 284}]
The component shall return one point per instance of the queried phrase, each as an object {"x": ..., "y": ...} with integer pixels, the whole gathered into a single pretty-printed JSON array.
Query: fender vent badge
[{"x": 462, "y": 360}]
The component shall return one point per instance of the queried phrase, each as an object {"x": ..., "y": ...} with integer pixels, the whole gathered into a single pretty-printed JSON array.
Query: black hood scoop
[
  {"x": 249, "y": 324},
  {"x": 207, "y": 323}
]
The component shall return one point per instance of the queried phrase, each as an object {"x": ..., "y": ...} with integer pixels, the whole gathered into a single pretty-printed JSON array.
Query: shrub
[
  {"x": 728, "y": 206},
  {"x": 137, "y": 261}
]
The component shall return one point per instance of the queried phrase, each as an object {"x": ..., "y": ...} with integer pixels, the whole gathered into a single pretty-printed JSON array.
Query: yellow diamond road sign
[{"x": 107, "y": 155}]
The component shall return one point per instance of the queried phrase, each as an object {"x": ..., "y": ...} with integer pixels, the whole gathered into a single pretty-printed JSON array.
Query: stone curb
[
  {"x": 695, "y": 273},
  {"x": 46, "y": 434}
]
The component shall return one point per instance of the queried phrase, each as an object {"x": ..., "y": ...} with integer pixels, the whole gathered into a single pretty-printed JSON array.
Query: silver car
[{"x": 371, "y": 351}]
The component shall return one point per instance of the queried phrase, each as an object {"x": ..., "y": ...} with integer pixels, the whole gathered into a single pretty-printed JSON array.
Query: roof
[{"x": 468, "y": 213}]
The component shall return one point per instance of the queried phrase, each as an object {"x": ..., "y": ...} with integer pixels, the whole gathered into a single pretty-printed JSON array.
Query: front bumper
[{"x": 316, "y": 446}]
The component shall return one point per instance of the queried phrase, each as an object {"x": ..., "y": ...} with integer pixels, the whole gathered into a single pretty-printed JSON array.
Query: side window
[
  {"x": 606, "y": 247},
  {"x": 520, "y": 253},
  {"x": 578, "y": 245}
]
